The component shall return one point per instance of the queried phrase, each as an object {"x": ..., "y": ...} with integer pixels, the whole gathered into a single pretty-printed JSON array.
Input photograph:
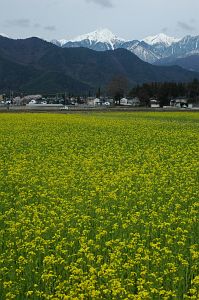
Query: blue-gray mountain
[
  {"x": 190, "y": 63},
  {"x": 36, "y": 66},
  {"x": 151, "y": 49}
]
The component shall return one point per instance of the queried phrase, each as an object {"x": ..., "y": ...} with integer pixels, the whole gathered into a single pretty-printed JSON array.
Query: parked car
[{"x": 64, "y": 108}]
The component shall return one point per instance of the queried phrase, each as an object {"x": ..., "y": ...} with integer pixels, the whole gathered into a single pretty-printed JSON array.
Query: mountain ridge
[
  {"x": 34, "y": 65},
  {"x": 150, "y": 49}
]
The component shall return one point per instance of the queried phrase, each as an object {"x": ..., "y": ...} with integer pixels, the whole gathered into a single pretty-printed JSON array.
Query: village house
[
  {"x": 179, "y": 102},
  {"x": 154, "y": 103},
  {"x": 93, "y": 101}
]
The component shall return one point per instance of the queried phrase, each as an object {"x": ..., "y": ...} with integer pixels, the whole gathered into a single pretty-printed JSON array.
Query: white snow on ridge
[
  {"x": 160, "y": 38},
  {"x": 4, "y": 35},
  {"x": 101, "y": 35},
  {"x": 62, "y": 42},
  {"x": 106, "y": 36}
]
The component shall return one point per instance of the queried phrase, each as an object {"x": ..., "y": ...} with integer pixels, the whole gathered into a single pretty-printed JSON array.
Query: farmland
[{"x": 99, "y": 206}]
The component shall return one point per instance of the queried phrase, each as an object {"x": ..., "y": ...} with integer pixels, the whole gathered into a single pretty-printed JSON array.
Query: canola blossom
[{"x": 99, "y": 206}]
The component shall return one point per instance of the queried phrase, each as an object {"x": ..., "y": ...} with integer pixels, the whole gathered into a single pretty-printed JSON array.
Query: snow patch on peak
[
  {"x": 101, "y": 35},
  {"x": 62, "y": 42},
  {"x": 97, "y": 36},
  {"x": 160, "y": 39}
]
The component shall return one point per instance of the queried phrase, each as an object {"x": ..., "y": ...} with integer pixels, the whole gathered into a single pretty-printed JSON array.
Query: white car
[{"x": 64, "y": 108}]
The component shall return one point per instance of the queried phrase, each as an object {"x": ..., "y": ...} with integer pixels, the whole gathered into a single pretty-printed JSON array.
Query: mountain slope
[
  {"x": 19, "y": 77},
  {"x": 36, "y": 65},
  {"x": 189, "y": 62},
  {"x": 14, "y": 75},
  {"x": 185, "y": 47},
  {"x": 23, "y": 67}
]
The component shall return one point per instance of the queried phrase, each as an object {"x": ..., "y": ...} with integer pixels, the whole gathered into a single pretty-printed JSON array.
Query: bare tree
[{"x": 117, "y": 88}]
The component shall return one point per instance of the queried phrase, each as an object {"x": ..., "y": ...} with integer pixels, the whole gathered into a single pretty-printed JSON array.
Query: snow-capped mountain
[
  {"x": 184, "y": 53},
  {"x": 160, "y": 39},
  {"x": 102, "y": 36},
  {"x": 150, "y": 49},
  {"x": 186, "y": 46},
  {"x": 102, "y": 39}
]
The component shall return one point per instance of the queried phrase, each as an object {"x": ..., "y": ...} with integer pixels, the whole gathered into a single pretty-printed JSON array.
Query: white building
[
  {"x": 96, "y": 102},
  {"x": 179, "y": 102},
  {"x": 123, "y": 101},
  {"x": 154, "y": 103}
]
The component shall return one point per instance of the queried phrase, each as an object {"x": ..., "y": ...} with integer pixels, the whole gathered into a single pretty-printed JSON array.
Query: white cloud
[
  {"x": 18, "y": 23},
  {"x": 104, "y": 3},
  {"x": 50, "y": 28},
  {"x": 185, "y": 26}
]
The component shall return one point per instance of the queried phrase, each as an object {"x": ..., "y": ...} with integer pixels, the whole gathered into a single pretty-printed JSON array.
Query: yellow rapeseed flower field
[{"x": 99, "y": 206}]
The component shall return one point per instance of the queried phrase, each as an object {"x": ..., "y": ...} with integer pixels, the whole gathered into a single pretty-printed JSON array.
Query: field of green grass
[{"x": 99, "y": 206}]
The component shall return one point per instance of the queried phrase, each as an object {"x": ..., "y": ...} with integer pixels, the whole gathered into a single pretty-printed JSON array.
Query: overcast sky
[{"x": 130, "y": 19}]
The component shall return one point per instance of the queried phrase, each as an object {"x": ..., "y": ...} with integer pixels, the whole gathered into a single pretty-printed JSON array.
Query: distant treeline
[{"x": 166, "y": 91}]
